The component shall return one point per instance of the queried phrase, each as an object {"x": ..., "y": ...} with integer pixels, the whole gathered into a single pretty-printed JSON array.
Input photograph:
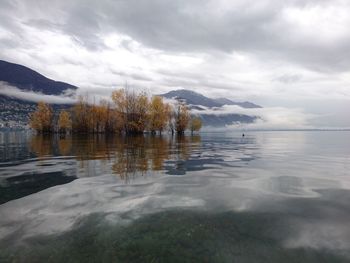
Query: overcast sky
[{"x": 284, "y": 54}]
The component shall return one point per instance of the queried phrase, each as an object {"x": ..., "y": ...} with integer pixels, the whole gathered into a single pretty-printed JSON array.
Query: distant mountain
[
  {"x": 196, "y": 99},
  {"x": 27, "y": 79},
  {"x": 192, "y": 98},
  {"x": 245, "y": 104},
  {"x": 200, "y": 102},
  {"x": 225, "y": 119},
  {"x": 14, "y": 111}
]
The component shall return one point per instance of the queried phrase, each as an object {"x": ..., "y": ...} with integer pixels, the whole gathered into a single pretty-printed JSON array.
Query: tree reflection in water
[{"x": 127, "y": 156}]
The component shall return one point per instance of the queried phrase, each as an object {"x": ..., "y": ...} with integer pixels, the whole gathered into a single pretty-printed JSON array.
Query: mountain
[
  {"x": 200, "y": 102},
  {"x": 191, "y": 98},
  {"x": 245, "y": 104},
  {"x": 225, "y": 119},
  {"x": 27, "y": 79},
  {"x": 14, "y": 112},
  {"x": 196, "y": 99}
]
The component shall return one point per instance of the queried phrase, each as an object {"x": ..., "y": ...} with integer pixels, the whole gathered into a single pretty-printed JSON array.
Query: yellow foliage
[
  {"x": 41, "y": 119},
  {"x": 80, "y": 114},
  {"x": 131, "y": 109},
  {"x": 182, "y": 118},
  {"x": 158, "y": 114},
  {"x": 64, "y": 121},
  {"x": 196, "y": 124}
]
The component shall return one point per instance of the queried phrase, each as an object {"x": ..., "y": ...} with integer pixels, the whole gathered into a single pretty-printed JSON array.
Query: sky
[{"x": 291, "y": 57}]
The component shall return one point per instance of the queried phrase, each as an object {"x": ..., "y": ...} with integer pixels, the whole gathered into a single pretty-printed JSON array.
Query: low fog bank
[{"x": 32, "y": 96}]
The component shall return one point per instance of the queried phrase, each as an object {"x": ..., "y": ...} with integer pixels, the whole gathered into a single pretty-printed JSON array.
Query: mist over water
[{"x": 214, "y": 197}]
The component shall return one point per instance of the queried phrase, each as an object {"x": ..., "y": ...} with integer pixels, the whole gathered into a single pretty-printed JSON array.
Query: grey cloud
[
  {"x": 289, "y": 78},
  {"x": 44, "y": 24},
  {"x": 84, "y": 27},
  {"x": 192, "y": 26},
  {"x": 134, "y": 76},
  {"x": 203, "y": 82},
  {"x": 196, "y": 26}
]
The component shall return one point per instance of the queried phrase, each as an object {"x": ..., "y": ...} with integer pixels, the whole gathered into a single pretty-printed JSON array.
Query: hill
[
  {"x": 27, "y": 79},
  {"x": 197, "y": 99}
]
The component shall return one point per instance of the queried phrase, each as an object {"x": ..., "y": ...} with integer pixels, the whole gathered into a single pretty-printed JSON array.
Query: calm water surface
[{"x": 267, "y": 197}]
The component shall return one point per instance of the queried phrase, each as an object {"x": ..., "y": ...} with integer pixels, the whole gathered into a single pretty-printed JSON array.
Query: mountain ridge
[
  {"x": 197, "y": 101},
  {"x": 195, "y": 98},
  {"x": 27, "y": 79}
]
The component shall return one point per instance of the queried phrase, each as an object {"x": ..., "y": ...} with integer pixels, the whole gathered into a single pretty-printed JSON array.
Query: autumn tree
[
  {"x": 64, "y": 122},
  {"x": 170, "y": 117},
  {"x": 121, "y": 108},
  {"x": 97, "y": 116},
  {"x": 140, "y": 113},
  {"x": 195, "y": 124},
  {"x": 182, "y": 118},
  {"x": 132, "y": 110},
  {"x": 108, "y": 121},
  {"x": 42, "y": 119},
  {"x": 158, "y": 114},
  {"x": 81, "y": 116}
]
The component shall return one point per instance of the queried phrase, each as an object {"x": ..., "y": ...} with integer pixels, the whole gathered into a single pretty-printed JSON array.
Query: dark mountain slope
[{"x": 27, "y": 79}]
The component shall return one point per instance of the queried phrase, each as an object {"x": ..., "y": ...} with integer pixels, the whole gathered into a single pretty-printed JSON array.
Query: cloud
[
  {"x": 267, "y": 118},
  {"x": 311, "y": 33},
  {"x": 289, "y": 78},
  {"x": 14, "y": 92}
]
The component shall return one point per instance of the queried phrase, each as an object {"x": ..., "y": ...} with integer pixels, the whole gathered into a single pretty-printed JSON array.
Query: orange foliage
[
  {"x": 41, "y": 119},
  {"x": 182, "y": 118}
]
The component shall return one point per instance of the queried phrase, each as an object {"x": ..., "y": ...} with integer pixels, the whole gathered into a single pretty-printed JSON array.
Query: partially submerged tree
[
  {"x": 158, "y": 115},
  {"x": 195, "y": 124},
  {"x": 41, "y": 119},
  {"x": 182, "y": 118},
  {"x": 80, "y": 116},
  {"x": 64, "y": 122},
  {"x": 132, "y": 110},
  {"x": 170, "y": 118}
]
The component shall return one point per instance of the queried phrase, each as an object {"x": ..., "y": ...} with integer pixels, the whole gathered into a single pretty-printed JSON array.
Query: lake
[{"x": 215, "y": 197}]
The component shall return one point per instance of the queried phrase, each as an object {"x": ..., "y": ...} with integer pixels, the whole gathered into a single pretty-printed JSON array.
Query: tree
[
  {"x": 141, "y": 113},
  {"x": 182, "y": 118},
  {"x": 132, "y": 109},
  {"x": 81, "y": 116},
  {"x": 41, "y": 119},
  {"x": 170, "y": 117},
  {"x": 121, "y": 108},
  {"x": 158, "y": 114},
  {"x": 64, "y": 122},
  {"x": 107, "y": 119},
  {"x": 196, "y": 124}
]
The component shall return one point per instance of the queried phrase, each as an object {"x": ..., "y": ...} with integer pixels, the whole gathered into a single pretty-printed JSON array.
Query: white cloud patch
[
  {"x": 31, "y": 96},
  {"x": 267, "y": 118}
]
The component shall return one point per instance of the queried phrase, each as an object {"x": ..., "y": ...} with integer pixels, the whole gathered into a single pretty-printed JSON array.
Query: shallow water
[{"x": 267, "y": 197}]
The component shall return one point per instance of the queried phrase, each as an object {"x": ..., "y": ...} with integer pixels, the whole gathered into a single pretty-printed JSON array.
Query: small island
[{"x": 129, "y": 112}]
